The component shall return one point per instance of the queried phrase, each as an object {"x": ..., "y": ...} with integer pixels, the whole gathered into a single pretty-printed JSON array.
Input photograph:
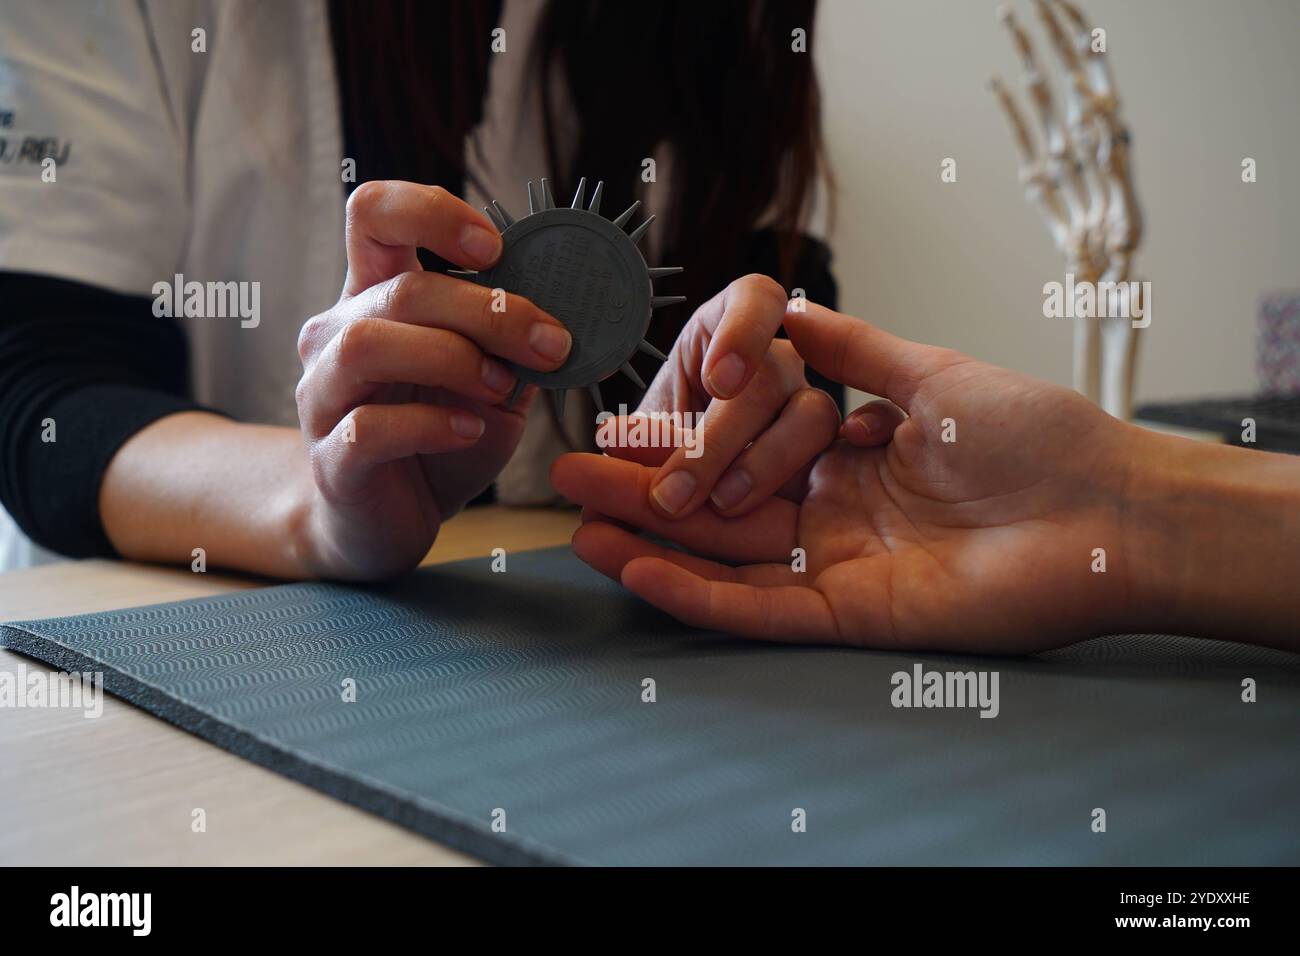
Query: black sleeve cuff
[{"x": 56, "y": 502}]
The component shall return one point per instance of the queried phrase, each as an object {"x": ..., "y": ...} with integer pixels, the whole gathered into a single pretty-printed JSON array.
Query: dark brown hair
[
  {"x": 716, "y": 84},
  {"x": 412, "y": 74},
  {"x": 721, "y": 87}
]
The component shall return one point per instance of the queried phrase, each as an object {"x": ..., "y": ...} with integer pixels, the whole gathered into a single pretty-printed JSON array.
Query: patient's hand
[{"x": 974, "y": 524}]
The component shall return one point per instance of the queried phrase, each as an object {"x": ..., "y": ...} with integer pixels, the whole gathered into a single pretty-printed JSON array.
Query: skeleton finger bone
[
  {"x": 1039, "y": 187},
  {"x": 1094, "y": 61},
  {"x": 1061, "y": 164},
  {"x": 1080, "y": 120}
]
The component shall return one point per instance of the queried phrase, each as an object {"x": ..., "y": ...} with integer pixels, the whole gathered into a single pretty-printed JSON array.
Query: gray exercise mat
[{"x": 523, "y": 692}]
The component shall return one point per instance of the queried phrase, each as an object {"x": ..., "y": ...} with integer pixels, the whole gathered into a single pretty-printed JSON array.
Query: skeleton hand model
[{"x": 1079, "y": 179}]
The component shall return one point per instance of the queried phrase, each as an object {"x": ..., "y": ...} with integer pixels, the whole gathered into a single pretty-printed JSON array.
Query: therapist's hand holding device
[
  {"x": 401, "y": 402},
  {"x": 1001, "y": 513},
  {"x": 405, "y": 406}
]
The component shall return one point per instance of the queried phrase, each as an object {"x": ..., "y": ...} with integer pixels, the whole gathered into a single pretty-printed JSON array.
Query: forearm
[
  {"x": 195, "y": 480},
  {"x": 1214, "y": 541}
]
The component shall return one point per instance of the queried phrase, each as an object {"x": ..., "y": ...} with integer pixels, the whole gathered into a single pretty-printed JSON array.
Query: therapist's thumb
[
  {"x": 855, "y": 353},
  {"x": 388, "y": 220}
]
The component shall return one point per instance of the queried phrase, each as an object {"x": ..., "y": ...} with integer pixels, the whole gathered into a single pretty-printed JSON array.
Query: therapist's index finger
[
  {"x": 388, "y": 220},
  {"x": 742, "y": 320}
]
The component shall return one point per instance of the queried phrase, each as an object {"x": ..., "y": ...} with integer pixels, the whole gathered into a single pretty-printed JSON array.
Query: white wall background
[{"x": 1203, "y": 83}]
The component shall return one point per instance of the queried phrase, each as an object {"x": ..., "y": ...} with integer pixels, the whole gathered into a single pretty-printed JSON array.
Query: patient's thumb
[
  {"x": 854, "y": 352},
  {"x": 873, "y": 424}
]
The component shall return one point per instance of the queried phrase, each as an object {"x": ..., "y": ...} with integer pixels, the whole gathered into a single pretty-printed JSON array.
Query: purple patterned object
[{"x": 1278, "y": 343}]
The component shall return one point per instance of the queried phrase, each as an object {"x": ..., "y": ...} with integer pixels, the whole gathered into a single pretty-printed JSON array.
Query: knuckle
[
  {"x": 442, "y": 348},
  {"x": 439, "y": 204},
  {"x": 512, "y": 322},
  {"x": 820, "y": 409},
  {"x": 763, "y": 286},
  {"x": 818, "y": 401},
  {"x": 365, "y": 200},
  {"x": 400, "y": 294},
  {"x": 356, "y": 340},
  {"x": 356, "y": 425},
  {"x": 769, "y": 387},
  {"x": 322, "y": 469},
  {"x": 455, "y": 357},
  {"x": 488, "y": 317},
  {"x": 348, "y": 453},
  {"x": 310, "y": 412},
  {"x": 439, "y": 200},
  {"x": 525, "y": 312},
  {"x": 311, "y": 334}
]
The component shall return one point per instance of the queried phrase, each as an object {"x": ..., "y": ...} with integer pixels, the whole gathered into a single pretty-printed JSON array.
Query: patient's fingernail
[
  {"x": 496, "y": 376},
  {"x": 549, "y": 341},
  {"x": 481, "y": 246},
  {"x": 674, "y": 491},
  {"x": 726, "y": 374},
  {"x": 731, "y": 488},
  {"x": 466, "y": 425},
  {"x": 860, "y": 428}
]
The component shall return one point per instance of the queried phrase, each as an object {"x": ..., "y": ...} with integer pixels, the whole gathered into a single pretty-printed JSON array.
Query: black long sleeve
[{"x": 89, "y": 368}]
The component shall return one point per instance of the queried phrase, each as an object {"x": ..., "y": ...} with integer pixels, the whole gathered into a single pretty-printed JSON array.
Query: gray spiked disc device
[{"x": 586, "y": 271}]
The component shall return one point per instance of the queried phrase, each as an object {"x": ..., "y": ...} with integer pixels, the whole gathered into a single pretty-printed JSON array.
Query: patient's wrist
[{"x": 1213, "y": 540}]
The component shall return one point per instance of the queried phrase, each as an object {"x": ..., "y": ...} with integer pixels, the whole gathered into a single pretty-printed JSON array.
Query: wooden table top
[{"x": 121, "y": 789}]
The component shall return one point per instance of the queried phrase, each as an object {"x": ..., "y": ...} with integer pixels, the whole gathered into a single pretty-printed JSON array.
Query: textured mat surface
[{"x": 523, "y": 691}]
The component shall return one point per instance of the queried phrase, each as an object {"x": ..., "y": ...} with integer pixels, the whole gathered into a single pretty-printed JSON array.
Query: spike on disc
[
  {"x": 621, "y": 221},
  {"x": 630, "y": 372},
  {"x": 636, "y": 234},
  {"x": 645, "y": 348},
  {"x": 508, "y": 219}
]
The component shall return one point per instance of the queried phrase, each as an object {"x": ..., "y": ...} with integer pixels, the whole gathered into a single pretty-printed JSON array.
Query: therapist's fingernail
[
  {"x": 674, "y": 491},
  {"x": 726, "y": 375},
  {"x": 481, "y": 245},
  {"x": 549, "y": 341},
  {"x": 466, "y": 425},
  {"x": 731, "y": 488},
  {"x": 496, "y": 376}
]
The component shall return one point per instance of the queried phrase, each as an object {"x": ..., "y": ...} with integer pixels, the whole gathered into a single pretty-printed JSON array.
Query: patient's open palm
[
  {"x": 947, "y": 542},
  {"x": 977, "y": 527}
]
